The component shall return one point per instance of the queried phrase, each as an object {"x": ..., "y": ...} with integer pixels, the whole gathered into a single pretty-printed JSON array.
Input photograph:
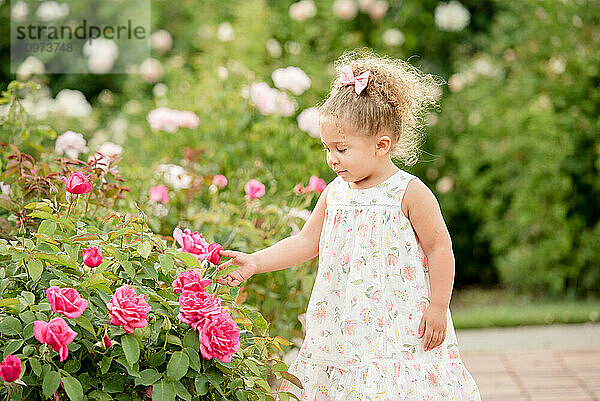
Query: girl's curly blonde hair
[{"x": 394, "y": 102}]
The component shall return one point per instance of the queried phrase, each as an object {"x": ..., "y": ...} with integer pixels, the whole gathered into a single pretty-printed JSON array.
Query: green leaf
[
  {"x": 10, "y": 326},
  {"x": 105, "y": 364},
  {"x": 35, "y": 268},
  {"x": 47, "y": 227},
  {"x": 113, "y": 383},
  {"x": 157, "y": 358},
  {"x": 9, "y": 302},
  {"x": 181, "y": 391},
  {"x": 36, "y": 366},
  {"x": 166, "y": 263},
  {"x": 12, "y": 347},
  {"x": 252, "y": 366},
  {"x": 215, "y": 380},
  {"x": 257, "y": 319},
  {"x": 163, "y": 391},
  {"x": 194, "y": 359},
  {"x": 201, "y": 385},
  {"x": 191, "y": 340},
  {"x": 84, "y": 323},
  {"x": 50, "y": 383},
  {"x": 178, "y": 365},
  {"x": 128, "y": 267},
  {"x": 144, "y": 249},
  {"x": 131, "y": 348},
  {"x": 188, "y": 259},
  {"x": 147, "y": 377},
  {"x": 98, "y": 395},
  {"x": 73, "y": 388}
]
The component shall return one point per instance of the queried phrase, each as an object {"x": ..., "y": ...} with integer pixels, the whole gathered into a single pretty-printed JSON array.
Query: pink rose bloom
[
  {"x": 149, "y": 392},
  {"x": 193, "y": 243},
  {"x": 220, "y": 181},
  {"x": 214, "y": 253},
  {"x": 219, "y": 337},
  {"x": 92, "y": 256},
  {"x": 254, "y": 189},
  {"x": 128, "y": 309},
  {"x": 159, "y": 193},
  {"x": 66, "y": 301},
  {"x": 77, "y": 183},
  {"x": 291, "y": 78},
  {"x": 195, "y": 307},
  {"x": 315, "y": 184},
  {"x": 11, "y": 368},
  {"x": 56, "y": 333},
  {"x": 168, "y": 120},
  {"x": 190, "y": 280}
]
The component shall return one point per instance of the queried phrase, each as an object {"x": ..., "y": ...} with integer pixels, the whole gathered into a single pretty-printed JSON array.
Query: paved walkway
[
  {"x": 537, "y": 363},
  {"x": 534, "y": 363}
]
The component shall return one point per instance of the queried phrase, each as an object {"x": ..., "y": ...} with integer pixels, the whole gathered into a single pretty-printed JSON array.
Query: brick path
[{"x": 534, "y": 364}]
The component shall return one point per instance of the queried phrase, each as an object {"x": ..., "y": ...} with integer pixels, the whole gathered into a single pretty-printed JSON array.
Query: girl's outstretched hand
[
  {"x": 246, "y": 270},
  {"x": 433, "y": 326}
]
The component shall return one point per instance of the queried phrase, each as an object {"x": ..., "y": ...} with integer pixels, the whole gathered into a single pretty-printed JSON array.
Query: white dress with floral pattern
[{"x": 370, "y": 293}]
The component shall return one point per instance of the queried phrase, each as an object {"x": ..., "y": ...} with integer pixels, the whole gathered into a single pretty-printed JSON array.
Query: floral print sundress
[{"x": 362, "y": 320}]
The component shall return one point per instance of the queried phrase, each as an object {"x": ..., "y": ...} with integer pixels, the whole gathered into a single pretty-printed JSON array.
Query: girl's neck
[{"x": 379, "y": 174}]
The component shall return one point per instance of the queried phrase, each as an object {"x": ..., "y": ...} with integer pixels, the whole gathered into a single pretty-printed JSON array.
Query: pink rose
[
  {"x": 149, "y": 392},
  {"x": 220, "y": 181},
  {"x": 128, "y": 309},
  {"x": 190, "y": 280},
  {"x": 66, "y": 301},
  {"x": 219, "y": 337},
  {"x": 159, "y": 193},
  {"x": 195, "y": 307},
  {"x": 214, "y": 253},
  {"x": 315, "y": 184},
  {"x": 77, "y": 183},
  {"x": 11, "y": 368},
  {"x": 56, "y": 333},
  {"x": 254, "y": 189},
  {"x": 193, "y": 243},
  {"x": 92, "y": 256}
]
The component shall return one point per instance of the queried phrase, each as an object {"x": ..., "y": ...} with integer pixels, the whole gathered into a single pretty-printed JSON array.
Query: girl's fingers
[
  {"x": 427, "y": 340},
  {"x": 226, "y": 264},
  {"x": 422, "y": 328},
  {"x": 228, "y": 254}
]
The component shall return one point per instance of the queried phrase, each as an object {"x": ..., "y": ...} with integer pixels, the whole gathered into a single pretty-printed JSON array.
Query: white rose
[
  {"x": 291, "y": 78},
  {"x": 452, "y": 16},
  {"x": 70, "y": 144}
]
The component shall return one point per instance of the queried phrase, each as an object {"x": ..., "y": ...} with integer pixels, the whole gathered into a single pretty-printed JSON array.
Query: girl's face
[{"x": 353, "y": 157}]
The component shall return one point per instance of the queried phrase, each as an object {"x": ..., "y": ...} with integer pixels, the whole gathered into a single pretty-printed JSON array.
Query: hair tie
[{"x": 347, "y": 78}]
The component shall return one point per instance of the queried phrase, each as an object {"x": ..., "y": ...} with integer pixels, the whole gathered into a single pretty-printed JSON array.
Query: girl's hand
[
  {"x": 433, "y": 326},
  {"x": 244, "y": 261}
]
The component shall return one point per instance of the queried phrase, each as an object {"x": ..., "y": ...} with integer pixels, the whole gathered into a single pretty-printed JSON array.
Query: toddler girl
[{"x": 378, "y": 326}]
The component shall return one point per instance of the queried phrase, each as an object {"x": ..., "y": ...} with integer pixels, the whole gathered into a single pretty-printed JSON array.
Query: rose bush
[{"x": 120, "y": 333}]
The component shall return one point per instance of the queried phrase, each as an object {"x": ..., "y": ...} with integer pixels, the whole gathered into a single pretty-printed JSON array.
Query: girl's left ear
[{"x": 384, "y": 145}]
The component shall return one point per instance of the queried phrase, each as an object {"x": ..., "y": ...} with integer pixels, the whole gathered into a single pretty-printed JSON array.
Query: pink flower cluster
[
  {"x": 219, "y": 334},
  {"x": 314, "y": 184},
  {"x": 168, "y": 120},
  {"x": 125, "y": 308},
  {"x": 194, "y": 243}
]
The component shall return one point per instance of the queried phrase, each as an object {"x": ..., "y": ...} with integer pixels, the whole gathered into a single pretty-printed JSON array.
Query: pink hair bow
[{"x": 347, "y": 78}]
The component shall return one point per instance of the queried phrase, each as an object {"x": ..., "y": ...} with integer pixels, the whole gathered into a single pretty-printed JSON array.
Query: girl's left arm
[{"x": 425, "y": 216}]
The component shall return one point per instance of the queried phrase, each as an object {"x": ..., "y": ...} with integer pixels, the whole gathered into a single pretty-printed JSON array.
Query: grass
[{"x": 477, "y": 308}]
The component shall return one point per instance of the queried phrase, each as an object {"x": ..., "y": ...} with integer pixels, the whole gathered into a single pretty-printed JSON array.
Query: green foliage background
[{"x": 518, "y": 141}]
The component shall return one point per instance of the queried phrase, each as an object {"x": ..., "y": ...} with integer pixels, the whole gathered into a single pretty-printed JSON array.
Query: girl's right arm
[{"x": 285, "y": 253}]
